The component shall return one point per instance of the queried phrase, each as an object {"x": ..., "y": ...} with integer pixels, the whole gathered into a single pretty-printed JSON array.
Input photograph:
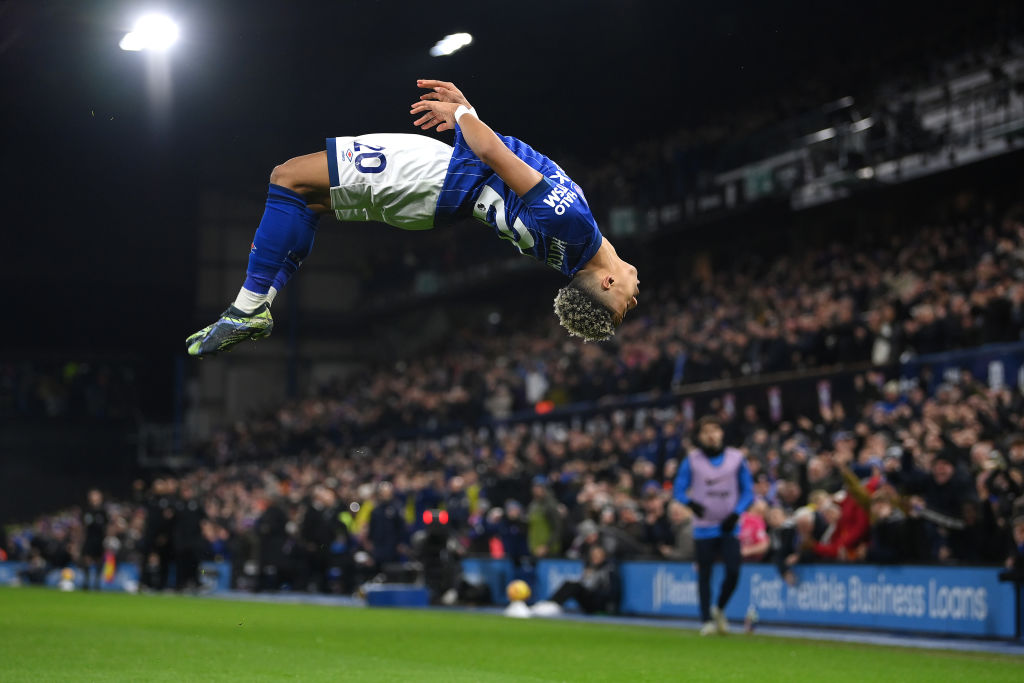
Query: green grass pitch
[{"x": 46, "y": 635}]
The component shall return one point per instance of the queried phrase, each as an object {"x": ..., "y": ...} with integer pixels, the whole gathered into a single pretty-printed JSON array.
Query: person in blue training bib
[
  {"x": 415, "y": 182},
  {"x": 716, "y": 484}
]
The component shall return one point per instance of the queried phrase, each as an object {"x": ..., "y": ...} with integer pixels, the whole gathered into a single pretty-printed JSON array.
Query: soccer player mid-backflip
[{"x": 415, "y": 183}]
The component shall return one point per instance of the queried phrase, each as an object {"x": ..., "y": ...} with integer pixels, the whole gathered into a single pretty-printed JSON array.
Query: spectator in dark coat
[
  {"x": 325, "y": 540},
  {"x": 888, "y": 538},
  {"x": 939, "y": 496},
  {"x": 386, "y": 535},
  {"x": 512, "y": 530},
  {"x": 94, "y": 518},
  {"x": 272, "y": 534},
  {"x": 159, "y": 534},
  {"x": 189, "y": 543}
]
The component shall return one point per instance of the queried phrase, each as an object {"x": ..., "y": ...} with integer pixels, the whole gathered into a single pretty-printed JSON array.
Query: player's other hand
[
  {"x": 433, "y": 113},
  {"x": 442, "y": 91}
]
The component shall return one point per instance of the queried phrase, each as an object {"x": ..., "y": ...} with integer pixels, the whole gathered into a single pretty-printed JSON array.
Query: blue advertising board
[
  {"x": 963, "y": 601},
  {"x": 213, "y": 576},
  {"x": 490, "y": 572},
  {"x": 9, "y": 572},
  {"x": 960, "y": 601},
  {"x": 544, "y": 578},
  {"x": 552, "y": 573}
]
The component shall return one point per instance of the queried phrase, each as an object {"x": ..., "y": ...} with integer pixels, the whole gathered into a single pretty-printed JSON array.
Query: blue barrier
[
  {"x": 947, "y": 600},
  {"x": 486, "y": 571},
  {"x": 213, "y": 576},
  {"x": 544, "y": 579},
  {"x": 952, "y": 601},
  {"x": 552, "y": 573},
  {"x": 126, "y": 578},
  {"x": 9, "y": 572},
  {"x": 397, "y": 595}
]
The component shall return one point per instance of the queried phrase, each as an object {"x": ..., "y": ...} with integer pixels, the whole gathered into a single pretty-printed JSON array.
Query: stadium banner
[
  {"x": 490, "y": 572},
  {"x": 213, "y": 576},
  {"x": 947, "y": 600},
  {"x": 1019, "y": 593},
  {"x": 497, "y": 573},
  {"x": 997, "y": 365},
  {"x": 125, "y": 578},
  {"x": 552, "y": 573},
  {"x": 9, "y": 572}
]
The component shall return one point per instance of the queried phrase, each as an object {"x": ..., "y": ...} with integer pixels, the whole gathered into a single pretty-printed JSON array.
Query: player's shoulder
[{"x": 556, "y": 196}]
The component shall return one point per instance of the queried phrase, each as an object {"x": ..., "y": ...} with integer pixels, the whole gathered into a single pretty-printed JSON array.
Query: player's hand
[
  {"x": 442, "y": 91},
  {"x": 433, "y": 113}
]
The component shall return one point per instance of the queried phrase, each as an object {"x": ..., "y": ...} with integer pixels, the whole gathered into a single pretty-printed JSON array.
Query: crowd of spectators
[
  {"x": 877, "y": 298},
  {"x": 891, "y": 476},
  {"x": 682, "y": 164},
  {"x": 327, "y": 492}
]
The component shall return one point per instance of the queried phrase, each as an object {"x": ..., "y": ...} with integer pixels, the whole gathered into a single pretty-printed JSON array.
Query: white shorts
[{"x": 394, "y": 178}]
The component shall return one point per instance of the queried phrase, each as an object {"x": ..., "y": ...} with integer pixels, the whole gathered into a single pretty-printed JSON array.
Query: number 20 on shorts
[{"x": 377, "y": 161}]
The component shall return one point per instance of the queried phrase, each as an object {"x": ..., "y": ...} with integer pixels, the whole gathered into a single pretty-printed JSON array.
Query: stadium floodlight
[
  {"x": 155, "y": 32},
  {"x": 450, "y": 43}
]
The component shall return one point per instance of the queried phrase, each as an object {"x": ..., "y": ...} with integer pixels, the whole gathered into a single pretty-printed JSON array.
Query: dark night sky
[{"x": 100, "y": 189}]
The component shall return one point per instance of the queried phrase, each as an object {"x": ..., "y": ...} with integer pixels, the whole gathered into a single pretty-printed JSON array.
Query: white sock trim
[{"x": 248, "y": 301}]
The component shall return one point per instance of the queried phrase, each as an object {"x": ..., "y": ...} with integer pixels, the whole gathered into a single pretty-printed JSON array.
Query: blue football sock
[{"x": 283, "y": 239}]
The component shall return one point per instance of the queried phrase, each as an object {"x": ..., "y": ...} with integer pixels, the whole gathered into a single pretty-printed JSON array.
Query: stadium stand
[
  {"x": 533, "y": 446},
  {"x": 329, "y": 491}
]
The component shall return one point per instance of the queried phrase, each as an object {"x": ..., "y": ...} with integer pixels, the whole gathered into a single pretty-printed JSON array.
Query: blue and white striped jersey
[{"x": 552, "y": 223}]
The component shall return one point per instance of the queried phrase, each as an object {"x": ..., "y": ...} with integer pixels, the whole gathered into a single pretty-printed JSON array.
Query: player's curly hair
[{"x": 581, "y": 312}]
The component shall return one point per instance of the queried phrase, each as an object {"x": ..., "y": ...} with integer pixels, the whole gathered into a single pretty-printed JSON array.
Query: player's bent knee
[
  {"x": 308, "y": 177},
  {"x": 284, "y": 176},
  {"x": 302, "y": 174}
]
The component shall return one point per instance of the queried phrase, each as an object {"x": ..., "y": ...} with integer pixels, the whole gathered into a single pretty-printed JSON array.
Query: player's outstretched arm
[{"x": 516, "y": 173}]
